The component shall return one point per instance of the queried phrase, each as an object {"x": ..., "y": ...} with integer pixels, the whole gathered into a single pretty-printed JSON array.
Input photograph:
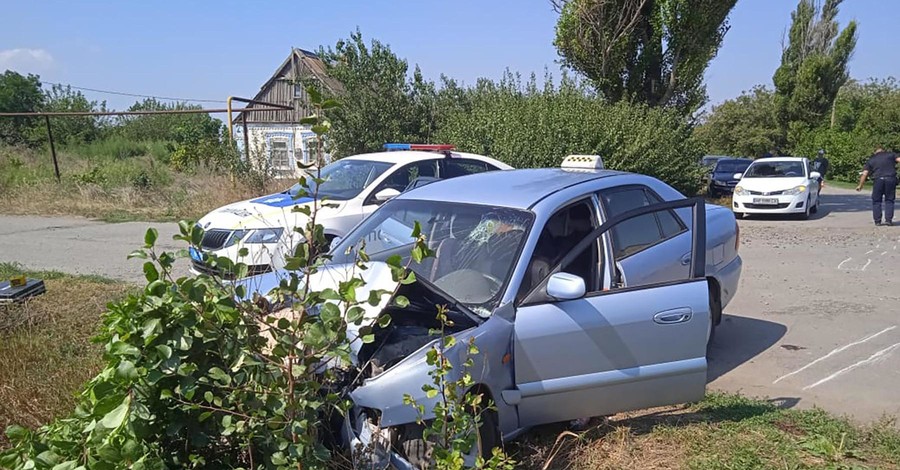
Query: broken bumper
[{"x": 370, "y": 445}]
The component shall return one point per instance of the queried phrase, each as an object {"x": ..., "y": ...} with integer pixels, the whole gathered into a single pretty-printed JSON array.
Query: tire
[
  {"x": 419, "y": 451},
  {"x": 806, "y": 209},
  {"x": 715, "y": 313},
  {"x": 815, "y": 209}
]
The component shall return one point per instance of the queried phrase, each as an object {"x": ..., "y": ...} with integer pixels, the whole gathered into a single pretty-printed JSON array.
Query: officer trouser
[{"x": 886, "y": 189}]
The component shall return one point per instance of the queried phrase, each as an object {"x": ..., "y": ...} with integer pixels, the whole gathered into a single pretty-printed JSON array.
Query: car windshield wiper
[{"x": 455, "y": 303}]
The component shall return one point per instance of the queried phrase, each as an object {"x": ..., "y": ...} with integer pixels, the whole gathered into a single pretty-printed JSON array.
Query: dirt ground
[{"x": 816, "y": 321}]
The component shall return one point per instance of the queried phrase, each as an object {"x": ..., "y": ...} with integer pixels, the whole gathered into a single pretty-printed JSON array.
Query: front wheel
[
  {"x": 420, "y": 452},
  {"x": 806, "y": 209}
]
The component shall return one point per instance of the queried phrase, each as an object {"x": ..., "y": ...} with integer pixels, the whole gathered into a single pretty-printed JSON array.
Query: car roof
[
  {"x": 407, "y": 156},
  {"x": 519, "y": 189},
  {"x": 781, "y": 159}
]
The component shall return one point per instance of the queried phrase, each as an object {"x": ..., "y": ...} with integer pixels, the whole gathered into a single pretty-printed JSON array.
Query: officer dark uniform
[
  {"x": 820, "y": 165},
  {"x": 883, "y": 168}
]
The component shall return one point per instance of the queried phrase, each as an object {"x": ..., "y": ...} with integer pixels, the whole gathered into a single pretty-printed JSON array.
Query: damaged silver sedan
[{"x": 529, "y": 264}]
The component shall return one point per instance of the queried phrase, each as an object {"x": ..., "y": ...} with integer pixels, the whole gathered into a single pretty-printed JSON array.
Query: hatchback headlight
[
  {"x": 796, "y": 190},
  {"x": 264, "y": 235},
  {"x": 740, "y": 191}
]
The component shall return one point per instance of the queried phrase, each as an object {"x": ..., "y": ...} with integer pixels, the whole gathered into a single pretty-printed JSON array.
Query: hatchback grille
[
  {"x": 770, "y": 193},
  {"x": 215, "y": 239},
  {"x": 766, "y": 206}
]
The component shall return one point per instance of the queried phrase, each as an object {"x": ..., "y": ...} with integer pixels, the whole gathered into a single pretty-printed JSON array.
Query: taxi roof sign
[{"x": 583, "y": 162}]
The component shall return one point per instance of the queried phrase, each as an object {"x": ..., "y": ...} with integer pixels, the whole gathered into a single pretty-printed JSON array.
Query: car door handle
[
  {"x": 670, "y": 317},
  {"x": 686, "y": 259}
]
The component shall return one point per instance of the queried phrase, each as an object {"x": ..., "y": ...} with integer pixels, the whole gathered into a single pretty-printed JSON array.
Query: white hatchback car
[
  {"x": 778, "y": 185},
  {"x": 354, "y": 187}
]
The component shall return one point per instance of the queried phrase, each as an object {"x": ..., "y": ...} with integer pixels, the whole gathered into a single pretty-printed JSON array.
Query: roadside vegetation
[
  {"x": 118, "y": 180},
  {"x": 46, "y": 353}
]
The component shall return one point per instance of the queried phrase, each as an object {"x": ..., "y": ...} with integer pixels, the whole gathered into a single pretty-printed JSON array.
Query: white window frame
[{"x": 287, "y": 153}]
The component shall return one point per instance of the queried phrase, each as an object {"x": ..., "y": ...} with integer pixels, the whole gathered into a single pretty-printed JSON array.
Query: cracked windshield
[{"x": 475, "y": 246}]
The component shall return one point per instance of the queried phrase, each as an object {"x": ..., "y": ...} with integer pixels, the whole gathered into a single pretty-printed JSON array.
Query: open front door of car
[{"x": 611, "y": 351}]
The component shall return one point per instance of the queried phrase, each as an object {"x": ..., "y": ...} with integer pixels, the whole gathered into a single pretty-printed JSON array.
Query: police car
[{"x": 354, "y": 187}]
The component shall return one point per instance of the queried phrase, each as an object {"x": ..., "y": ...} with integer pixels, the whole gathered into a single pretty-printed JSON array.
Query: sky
[{"x": 210, "y": 50}]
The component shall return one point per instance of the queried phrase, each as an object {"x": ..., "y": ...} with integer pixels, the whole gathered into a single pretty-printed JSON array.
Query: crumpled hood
[
  {"x": 273, "y": 210},
  {"x": 771, "y": 184},
  {"x": 377, "y": 276}
]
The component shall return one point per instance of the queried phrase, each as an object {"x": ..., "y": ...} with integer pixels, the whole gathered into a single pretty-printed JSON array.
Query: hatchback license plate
[{"x": 766, "y": 201}]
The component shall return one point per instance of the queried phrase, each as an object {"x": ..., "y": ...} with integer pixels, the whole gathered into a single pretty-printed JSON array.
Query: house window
[
  {"x": 312, "y": 150},
  {"x": 279, "y": 156},
  {"x": 298, "y": 91}
]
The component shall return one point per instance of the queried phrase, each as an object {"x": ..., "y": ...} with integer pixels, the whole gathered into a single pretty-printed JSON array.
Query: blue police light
[
  {"x": 423, "y": 147},
  {"x": 397, "y": 146}
]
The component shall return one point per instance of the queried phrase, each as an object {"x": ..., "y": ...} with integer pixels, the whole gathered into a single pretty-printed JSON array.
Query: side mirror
[
  {"x": 738, "y": 176},
  {"x": 815, "y": 175},
  {"x": 565, "y": 286},
  {"x": 335, "y": 242},
  {"x": 386, "y": 194}
]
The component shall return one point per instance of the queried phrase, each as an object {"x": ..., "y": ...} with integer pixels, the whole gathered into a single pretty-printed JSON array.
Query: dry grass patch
[
  {"x": 725, "y": 431},
  {"x": 46, "y": 353},
  {"x": 117, "y": 189},
  {"x": 189, "y": 197}
]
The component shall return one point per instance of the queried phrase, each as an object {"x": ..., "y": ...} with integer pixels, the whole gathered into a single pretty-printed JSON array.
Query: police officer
[
  {"x": 820, "y": 165},
  {"x": 883, "y": 168}
]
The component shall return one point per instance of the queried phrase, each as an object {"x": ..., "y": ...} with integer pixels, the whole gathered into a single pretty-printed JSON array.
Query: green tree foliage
[
  {"x": 527, "y": 126},
  {"x": 74, "y": 129},
  {"x": 744, "y": 126},
  {"x": 170, "y": 127},
  {"x": 865, "y": 115},
  {"x": 814, "y": 67},
  {"x": 19, "y": 94},
  {"x": 384, "y": 104},
  {"x": 650, "y": 51}
]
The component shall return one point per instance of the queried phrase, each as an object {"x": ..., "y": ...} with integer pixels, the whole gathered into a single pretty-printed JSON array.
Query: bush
[
  {"x": 529, "y": 127},
  {"x": 112, "y": 148}
]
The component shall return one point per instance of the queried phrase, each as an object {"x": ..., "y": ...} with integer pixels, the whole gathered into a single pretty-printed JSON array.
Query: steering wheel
[{"x": 496, "y": 283}]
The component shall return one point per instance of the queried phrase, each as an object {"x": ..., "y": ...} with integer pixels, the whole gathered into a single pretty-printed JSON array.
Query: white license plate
[{"x": 766, "y": 201}]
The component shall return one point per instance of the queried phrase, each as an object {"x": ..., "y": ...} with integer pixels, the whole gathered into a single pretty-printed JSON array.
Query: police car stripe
[{"x": 281, "y": 200}]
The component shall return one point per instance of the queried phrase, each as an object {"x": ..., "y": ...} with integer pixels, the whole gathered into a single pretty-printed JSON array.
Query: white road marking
[
  {"x": 883, "y": 253},
  {"x": 842, "y": 262},
  {"x": 833, "y": 352},
  {"x": 869, "y": 251},
  {"x": 871, "y": 359},
  {"x": 868, "y": 262}
]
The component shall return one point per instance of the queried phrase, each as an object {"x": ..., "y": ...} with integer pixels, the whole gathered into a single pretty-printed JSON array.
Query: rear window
[
  {"x": 639, "y": 233},
  {"x": 462, "y": 167},
  {"x": 731, "y": 167}
]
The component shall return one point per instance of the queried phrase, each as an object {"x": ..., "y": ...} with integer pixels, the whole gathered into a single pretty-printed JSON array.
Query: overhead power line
[{"x": 135, "y": 95}]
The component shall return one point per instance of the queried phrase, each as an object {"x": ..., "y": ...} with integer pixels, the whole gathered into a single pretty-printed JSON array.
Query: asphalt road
[
  {"x": 81, "y": 246},
  {"x": 816, "y": 321}
]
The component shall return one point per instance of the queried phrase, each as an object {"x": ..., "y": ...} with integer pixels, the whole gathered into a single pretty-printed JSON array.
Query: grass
[
  {"x": 845, "y": 184},
  {"x": 114, "y": 181},
  {"x": 46, "y": 353},
  {"x": 725, "y": 431}
]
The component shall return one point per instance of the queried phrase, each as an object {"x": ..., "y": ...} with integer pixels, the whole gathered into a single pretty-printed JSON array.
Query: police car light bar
[
  {"x": 425, "y": 147},
  {"x": 583, "y": 162}
]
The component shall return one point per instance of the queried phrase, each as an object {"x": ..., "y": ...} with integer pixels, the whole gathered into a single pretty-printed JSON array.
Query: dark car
[{"x": 721, "y": 178}]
